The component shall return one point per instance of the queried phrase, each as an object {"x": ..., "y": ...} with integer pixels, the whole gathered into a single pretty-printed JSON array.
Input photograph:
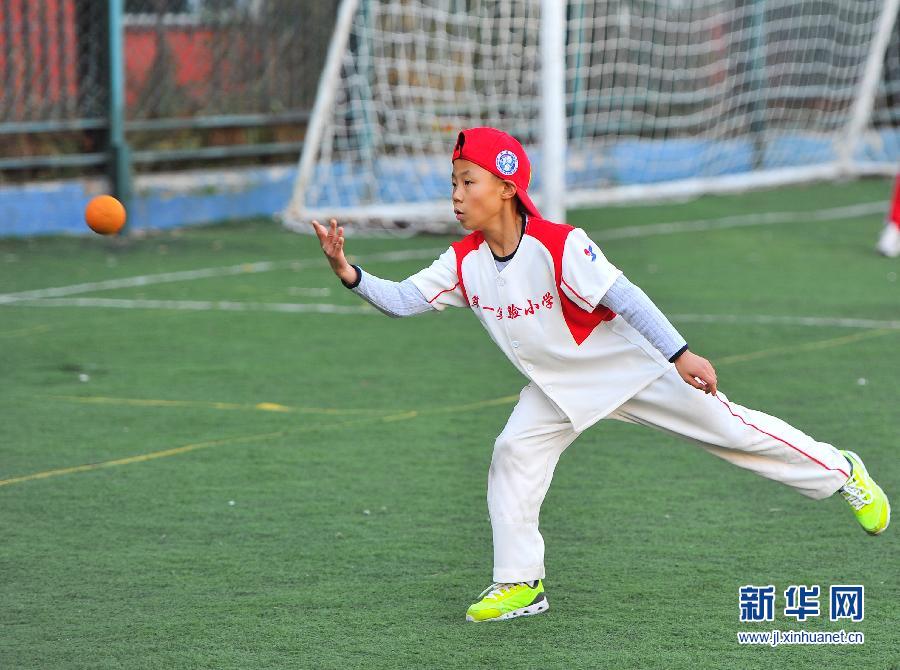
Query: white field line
[
  {"x": 765, "y": 218},
  {"x": 741, "y": 221},
  {"x": 204, "y": 273},
  {"x": 310, "y": 292},
  {"x": 144, "y": 280},
  {"x": 323, "y": 308},
  {"x": 200, "y": 305},
  {"x": 771, "y": 320}
]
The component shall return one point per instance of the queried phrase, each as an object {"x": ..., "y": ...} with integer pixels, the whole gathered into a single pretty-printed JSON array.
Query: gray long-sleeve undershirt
[
  {"x": 393, "y": 298},
  {"x": 397, "y": 299},
  {"x": 642, "y": 314}
]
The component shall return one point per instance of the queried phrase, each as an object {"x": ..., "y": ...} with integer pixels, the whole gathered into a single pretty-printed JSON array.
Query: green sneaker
[
  {"x": 869, "y": 503},
  {"x": 508, "y": 601}
]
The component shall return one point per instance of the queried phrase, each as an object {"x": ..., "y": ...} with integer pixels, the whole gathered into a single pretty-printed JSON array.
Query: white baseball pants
[{"x": 526, "y": 453}]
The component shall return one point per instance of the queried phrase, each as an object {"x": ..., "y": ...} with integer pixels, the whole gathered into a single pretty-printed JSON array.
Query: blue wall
[
  {"x": 58, "y": 207},
  {"x": 167, "y": 201}
]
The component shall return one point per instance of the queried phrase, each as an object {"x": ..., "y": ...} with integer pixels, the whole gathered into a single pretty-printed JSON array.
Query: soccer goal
[{"x": 615, "y": 100}]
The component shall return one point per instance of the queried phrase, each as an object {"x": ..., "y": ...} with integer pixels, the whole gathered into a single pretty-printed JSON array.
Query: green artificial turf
[{"x": 344, "y": 523}]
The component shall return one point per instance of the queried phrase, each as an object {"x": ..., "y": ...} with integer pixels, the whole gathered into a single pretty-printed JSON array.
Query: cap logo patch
[
  {"x": 460, "y": 141},
  {"x": 507, "y": 162}
]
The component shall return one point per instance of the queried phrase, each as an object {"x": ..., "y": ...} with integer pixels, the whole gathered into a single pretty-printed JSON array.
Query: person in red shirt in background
[{"x": 889, "y": 242}]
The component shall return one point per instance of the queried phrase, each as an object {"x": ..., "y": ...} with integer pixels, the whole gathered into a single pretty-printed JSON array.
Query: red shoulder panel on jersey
[
  {"x": 463, "y": 248},
  {"x": 553, "y": 236}
]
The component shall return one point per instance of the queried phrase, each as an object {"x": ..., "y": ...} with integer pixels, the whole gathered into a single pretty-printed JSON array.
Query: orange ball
[{"x": 105, "y": 215}]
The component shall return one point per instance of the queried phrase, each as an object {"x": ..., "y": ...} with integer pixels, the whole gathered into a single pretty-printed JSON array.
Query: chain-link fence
[
  {"x": 207, "y": 82},
  {"x": 221, "y": 81},
  {"x": 887, "y": 104},
  {"x": 52, "y": 102}
]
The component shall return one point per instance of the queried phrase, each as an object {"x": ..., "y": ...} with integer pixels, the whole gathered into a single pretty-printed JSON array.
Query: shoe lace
[
  {"x": 497, "y": 589},
  {"x": 855, "y": 495}
]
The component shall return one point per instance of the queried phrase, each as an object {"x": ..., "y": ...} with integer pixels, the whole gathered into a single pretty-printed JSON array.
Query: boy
[{"x": 593, "y": 346}]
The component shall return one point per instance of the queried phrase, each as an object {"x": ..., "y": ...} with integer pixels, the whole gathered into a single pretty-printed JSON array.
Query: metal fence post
[
  {"x": 758, "y": 70},
  {"x": 119, "y": 167}
]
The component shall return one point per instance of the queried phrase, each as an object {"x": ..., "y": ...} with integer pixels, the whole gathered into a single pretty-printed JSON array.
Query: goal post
[
  {"x": 861, "y": 110},
  {"x": 553, "y": 109},
  {"x": 329, "y": 81},
  {"x": 615, "y": 100}
]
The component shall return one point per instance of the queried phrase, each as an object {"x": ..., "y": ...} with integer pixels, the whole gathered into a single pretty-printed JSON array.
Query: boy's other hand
[
  {"x": 697, "y": 371},
  {"x": 332, "y": 241}
]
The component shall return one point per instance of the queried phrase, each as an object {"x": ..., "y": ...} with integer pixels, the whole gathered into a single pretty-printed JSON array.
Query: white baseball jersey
[{"x": 543, "y": 312}]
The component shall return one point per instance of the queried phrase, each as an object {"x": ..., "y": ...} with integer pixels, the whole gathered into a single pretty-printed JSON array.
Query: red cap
[{"x": 500, "y": 154}]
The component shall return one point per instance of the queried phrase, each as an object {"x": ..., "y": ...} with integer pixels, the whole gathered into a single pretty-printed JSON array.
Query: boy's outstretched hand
[
  {"x": 332, "y": 241},
  {"x": 697, "y": 371}
]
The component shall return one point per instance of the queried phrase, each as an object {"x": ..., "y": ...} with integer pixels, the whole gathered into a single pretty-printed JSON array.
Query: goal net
[{"x": 657, "y": 98}]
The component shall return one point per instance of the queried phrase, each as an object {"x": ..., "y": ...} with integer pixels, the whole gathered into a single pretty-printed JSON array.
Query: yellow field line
[
  {"x": 258, "y": 407},
  {"x": 480, "y": 404},
  {"x": 408, "y": 414},
  {"x": 140, "y": 458},
  {"x": 505, "y": 400},
  {"x": 810, "y": 346},
  {"x": 275, "y": 407},
  {"x": 392, "y": 417}
]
